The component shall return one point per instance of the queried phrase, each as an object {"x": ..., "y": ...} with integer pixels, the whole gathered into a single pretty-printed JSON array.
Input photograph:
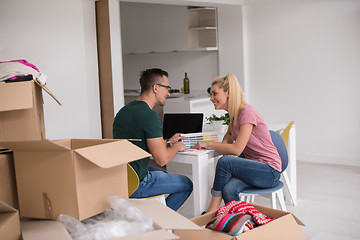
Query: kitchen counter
[
  {"x": 131, "y": 92},
  {"x": 195, "y": 94}
]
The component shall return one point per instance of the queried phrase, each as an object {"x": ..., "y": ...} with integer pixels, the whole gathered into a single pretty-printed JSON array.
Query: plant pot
[{"x": 218, "y": 127}]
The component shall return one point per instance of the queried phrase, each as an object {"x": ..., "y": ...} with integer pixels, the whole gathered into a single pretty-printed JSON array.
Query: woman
[{"x": 259, "y": 164}]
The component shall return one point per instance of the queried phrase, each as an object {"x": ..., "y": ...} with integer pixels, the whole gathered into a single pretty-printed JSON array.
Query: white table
[{"x": 200, "y": 162}]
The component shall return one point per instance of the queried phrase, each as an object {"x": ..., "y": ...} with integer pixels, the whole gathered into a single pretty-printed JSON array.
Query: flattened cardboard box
[
  {"x": 72, "y": 176},
  {"x": 164, "y": 219},
  {"x": 285, "y": 227},
  {"x": 9, "y": 223},
  {"x": 21, "y": 112},
  {"x": 8, "y": 191}
]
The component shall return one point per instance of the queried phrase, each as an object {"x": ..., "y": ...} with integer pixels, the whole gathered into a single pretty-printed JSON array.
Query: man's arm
[{"x": 162, "y": 154}]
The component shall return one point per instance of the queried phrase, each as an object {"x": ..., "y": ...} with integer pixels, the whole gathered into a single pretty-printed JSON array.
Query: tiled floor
[{"x": 328, "y": 201}]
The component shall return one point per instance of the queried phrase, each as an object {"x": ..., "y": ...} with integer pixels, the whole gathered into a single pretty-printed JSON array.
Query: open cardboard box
[
  {"x": 165, "y": 220},
  {"x": 72, "y": 176},
  {"x": 9, "y": 222},
  {"x": 21, "y": 112},
  {"x": 8, "y": 191},
  {"x": 285, "y": 227}
]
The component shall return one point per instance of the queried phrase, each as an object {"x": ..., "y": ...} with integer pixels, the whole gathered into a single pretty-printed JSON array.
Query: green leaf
[{"x": 213, "y": 117}]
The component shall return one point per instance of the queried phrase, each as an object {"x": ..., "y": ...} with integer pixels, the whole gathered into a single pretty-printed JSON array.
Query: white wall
[
  {"x": 303, "y": 64},
  {"x": 230, "y": 31},
  {"x": 59, "y": 38},
  {"x": 202, "y": 68}
]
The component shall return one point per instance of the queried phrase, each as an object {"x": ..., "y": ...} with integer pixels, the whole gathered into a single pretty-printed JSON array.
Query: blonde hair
[{"x": 236, "y": 97}]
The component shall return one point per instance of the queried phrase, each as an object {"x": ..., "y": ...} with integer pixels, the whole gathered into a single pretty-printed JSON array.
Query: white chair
[{"x": 276, "y": 191}]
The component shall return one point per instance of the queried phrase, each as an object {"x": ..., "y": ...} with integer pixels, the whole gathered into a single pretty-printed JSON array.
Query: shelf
[
  {"x": 202, "y": 17},
  {"x": 202, "y": 29},
  {"x": 174, "y": 51},
  {"x": 204, "y": 49},
  {"x": 195, "y": 9},
  {"x": 203, "y": 38}
]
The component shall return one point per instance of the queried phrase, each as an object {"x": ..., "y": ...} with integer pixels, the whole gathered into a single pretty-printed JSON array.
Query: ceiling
[{"x": 191, "y": 2}]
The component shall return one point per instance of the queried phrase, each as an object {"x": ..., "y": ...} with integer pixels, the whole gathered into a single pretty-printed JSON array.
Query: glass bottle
[{"x": 186, "y": 84}]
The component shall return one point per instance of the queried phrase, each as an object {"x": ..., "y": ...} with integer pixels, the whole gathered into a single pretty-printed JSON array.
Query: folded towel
[
  {"x": 232, "y": 224},
  {"x": 237, "y": 217},
  {"x": 243, "y": 208}
]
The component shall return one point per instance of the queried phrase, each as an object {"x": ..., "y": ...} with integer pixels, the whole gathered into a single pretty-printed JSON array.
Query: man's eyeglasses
[{"x": 168, "y": 87}]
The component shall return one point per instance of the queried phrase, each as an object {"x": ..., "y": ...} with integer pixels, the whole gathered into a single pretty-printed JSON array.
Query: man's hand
[{"x": 176, "y": 138}]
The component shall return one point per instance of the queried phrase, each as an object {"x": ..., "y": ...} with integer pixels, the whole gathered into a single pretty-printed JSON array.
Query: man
[{"x": 138, "y": 121}]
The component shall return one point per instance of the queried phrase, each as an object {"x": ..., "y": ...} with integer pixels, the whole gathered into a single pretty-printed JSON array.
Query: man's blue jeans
[
  {"x": 234, "y": 174},
  {"x": 158, "y": 182}
]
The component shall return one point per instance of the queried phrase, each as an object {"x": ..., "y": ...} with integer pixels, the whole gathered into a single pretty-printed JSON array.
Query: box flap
[
  {"x": 283, "y": 228},
  {"x": 202, "y": 220},
  {"x": 164, "y": 216},
  {"x": 5, "y": 208},
  {"x": 38, "y": 82},
  {"x": 29, "y": 146},
  {"x": 43, "y": 230},
  {"x": 16, "y": 96},
  {"x": 274, "y": 213},
  {"x": 9, "y": 223},
  {"x": 112, "y": 154},
  {"x": 153, "y": 235},
  {"x": 205, "y": 234}
]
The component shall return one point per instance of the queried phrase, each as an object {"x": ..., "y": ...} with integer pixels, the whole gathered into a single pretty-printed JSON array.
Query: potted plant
[{"x": 219, "y": 124}]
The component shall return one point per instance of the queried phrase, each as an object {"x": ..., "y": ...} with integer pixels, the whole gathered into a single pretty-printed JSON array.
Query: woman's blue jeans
[
  {"x": 234, "y": 174},
  {"x": 158, "y": 182}
]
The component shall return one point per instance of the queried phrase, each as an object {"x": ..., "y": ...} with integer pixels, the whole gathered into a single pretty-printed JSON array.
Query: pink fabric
[
  {"x": 260, "y": 146},
  {"x": 243, "y": 208},
  {"x": 23, "y": 61}
]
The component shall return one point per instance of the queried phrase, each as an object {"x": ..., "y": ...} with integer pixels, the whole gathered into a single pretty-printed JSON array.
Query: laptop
[{"x": 182, "y": 123}]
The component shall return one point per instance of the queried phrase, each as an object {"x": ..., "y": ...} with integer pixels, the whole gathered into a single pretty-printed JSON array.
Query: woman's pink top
[{"x": 260, "y": 146}]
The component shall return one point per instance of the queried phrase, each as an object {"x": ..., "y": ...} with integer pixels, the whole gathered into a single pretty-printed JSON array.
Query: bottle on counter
[{"x": 186, "y": 84}]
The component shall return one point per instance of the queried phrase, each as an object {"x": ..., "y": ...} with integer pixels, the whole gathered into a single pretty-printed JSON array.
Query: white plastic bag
[{"x": 122, "y": 219}]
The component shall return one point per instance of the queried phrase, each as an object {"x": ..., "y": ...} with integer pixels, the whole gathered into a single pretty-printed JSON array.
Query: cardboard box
[
  {"x": 9, "y": 223},
  {"x": 164, "y": 219},
  {"x": 8, "y": 191},
  {"x": 72, "y": 176},
  {"x": 285, "y": 227},
  {"x": 43, "y": 230},
  {"x": 21, "y": 112}
]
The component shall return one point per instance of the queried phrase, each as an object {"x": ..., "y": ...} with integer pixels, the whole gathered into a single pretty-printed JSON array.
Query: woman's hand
[{"x": 203, "y": 145}]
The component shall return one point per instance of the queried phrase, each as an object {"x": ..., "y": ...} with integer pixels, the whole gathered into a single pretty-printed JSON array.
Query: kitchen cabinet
[
  {"x": 153, "y": 28},
  {"x": 160, "y": 28},
  {"x": 202, "y": 28}
]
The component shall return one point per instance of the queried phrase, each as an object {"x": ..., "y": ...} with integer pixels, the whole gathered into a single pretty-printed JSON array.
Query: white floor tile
[{"x": 328, "y": 201}]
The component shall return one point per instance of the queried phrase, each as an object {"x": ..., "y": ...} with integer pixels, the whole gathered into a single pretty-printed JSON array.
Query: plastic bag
[{"x": 121, "y": 219}]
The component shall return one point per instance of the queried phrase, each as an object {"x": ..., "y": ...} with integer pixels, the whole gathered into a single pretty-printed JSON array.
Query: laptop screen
[{"x": 182, "y": 123}]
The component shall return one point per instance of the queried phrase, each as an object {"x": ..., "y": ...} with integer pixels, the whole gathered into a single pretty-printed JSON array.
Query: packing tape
[{"x": 48, "y": 206}]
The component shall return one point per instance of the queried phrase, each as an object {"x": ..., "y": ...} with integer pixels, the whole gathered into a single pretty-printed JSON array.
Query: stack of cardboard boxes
[{"x": 75, "y": 177}]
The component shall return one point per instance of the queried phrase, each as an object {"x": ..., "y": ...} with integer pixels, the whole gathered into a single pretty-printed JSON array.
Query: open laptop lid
[{"x": 182, "y": 123}]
